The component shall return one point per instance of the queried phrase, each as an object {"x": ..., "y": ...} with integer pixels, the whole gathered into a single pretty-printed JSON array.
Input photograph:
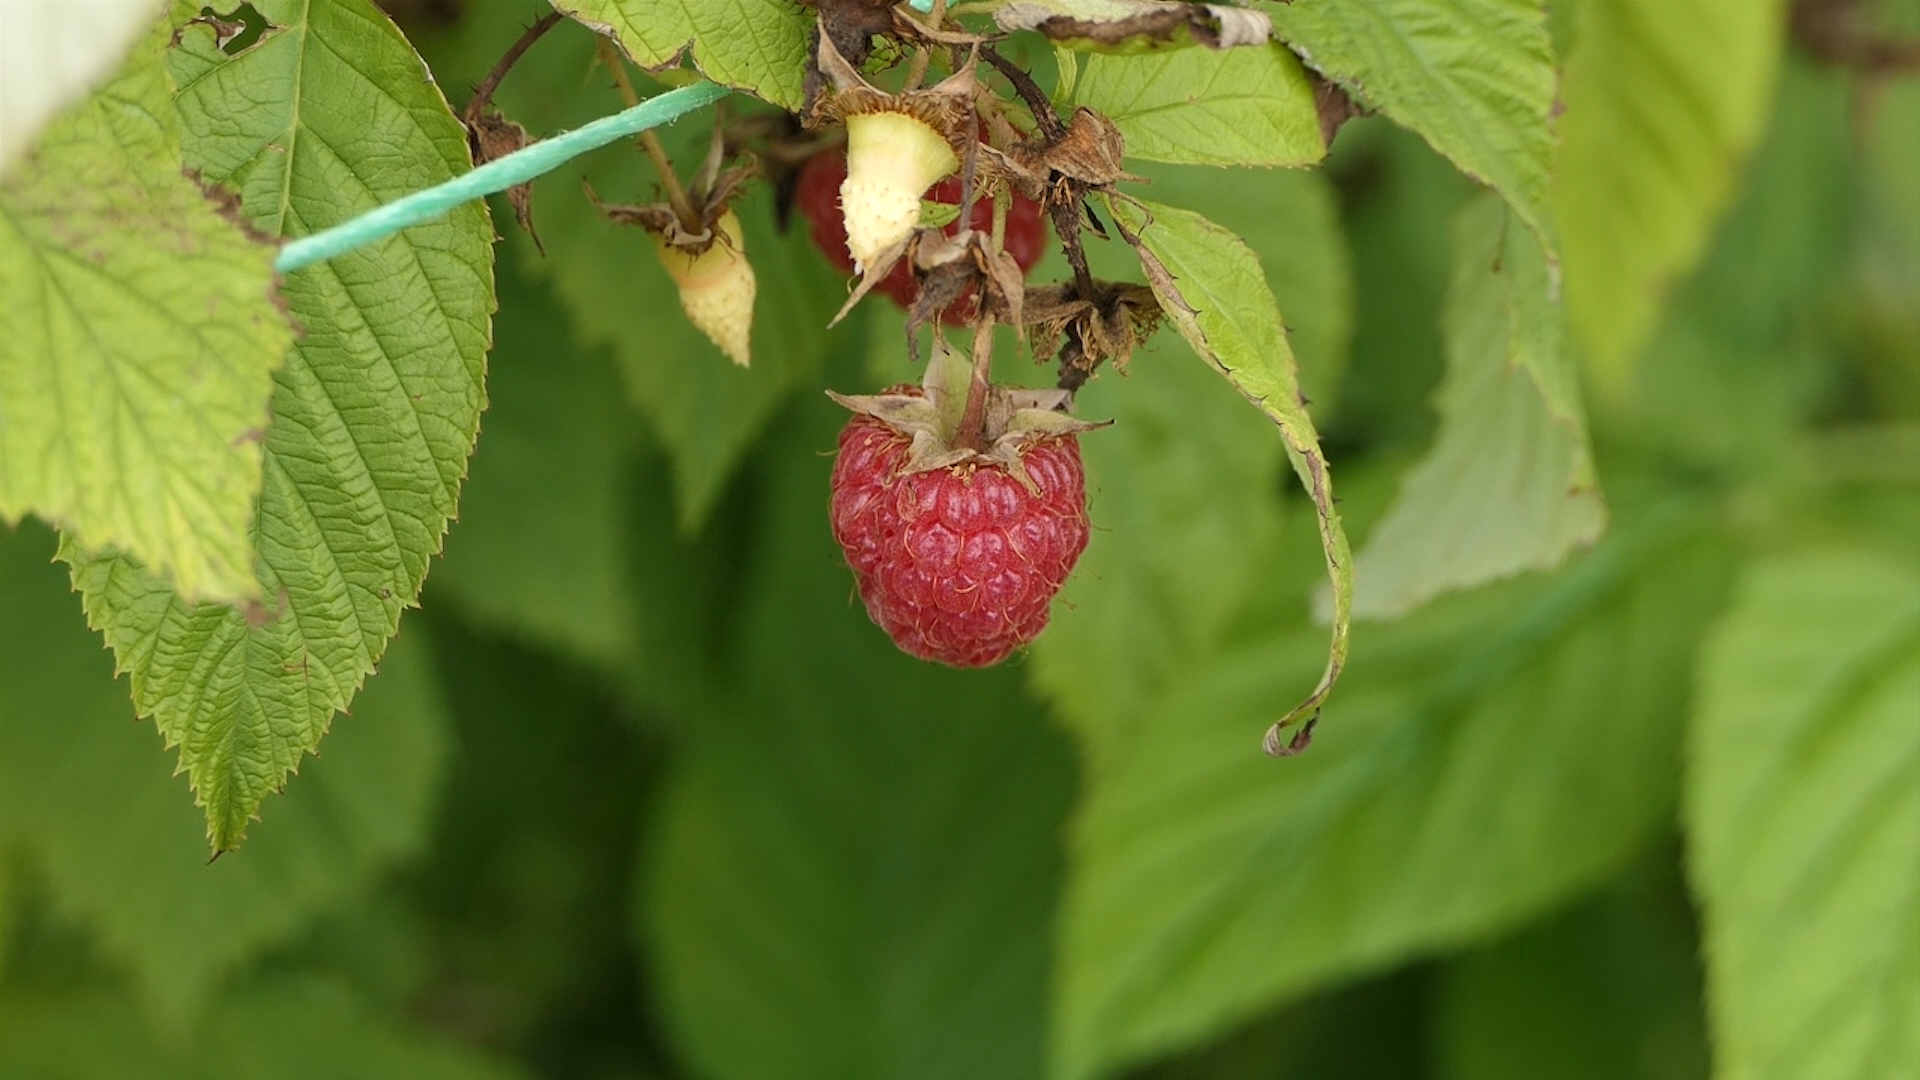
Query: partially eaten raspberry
[{"x": 817, "y": 196}]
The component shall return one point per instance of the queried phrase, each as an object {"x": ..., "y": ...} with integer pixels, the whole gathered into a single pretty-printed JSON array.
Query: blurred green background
[{"x": 641, "y": 793}]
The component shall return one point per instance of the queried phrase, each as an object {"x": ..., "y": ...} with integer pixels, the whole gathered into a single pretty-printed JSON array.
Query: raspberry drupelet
[{"x": 957, "y": 564}]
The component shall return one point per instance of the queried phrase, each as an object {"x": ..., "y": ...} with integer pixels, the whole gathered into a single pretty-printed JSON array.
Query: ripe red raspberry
[
  {"x": 957, "y": 564},
  {"x": 816, "y": 195}
]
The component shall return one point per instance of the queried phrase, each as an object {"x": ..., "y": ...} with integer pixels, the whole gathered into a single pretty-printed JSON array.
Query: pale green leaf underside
[
  {"x": 374, "y": 413},
  {"x": 1664, "y": 99},
  {"x": 1186, "y": 486},
  {"x": 138, "y": 336},
  {"x": 1475, "y": 78},
  {"x": 83, "y": 793},
  {"x": 1509, "y": 484},
  {"x": 1803, "y": 809},
  {"x": 1211, "y": 287},
  {"x": 1208, "y": 884},
  {"x": 759, "y": 46},
  {"x": 1184, "y": 496},
  {"x": 1245, "y": 106}
]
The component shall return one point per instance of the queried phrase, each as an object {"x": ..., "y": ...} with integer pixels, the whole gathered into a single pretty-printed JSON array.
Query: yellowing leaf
[
  {"x": 1664, "y": 100},
  {"x": 374, "y": 413},
  {"x": 138, "y": 336},
  {"x": 1509, "y": 484}
]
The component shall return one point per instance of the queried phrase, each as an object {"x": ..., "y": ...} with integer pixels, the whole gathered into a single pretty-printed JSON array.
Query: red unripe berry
[
  {"x": 958, "y": 565},
  {"x": 817, "y": 196}
]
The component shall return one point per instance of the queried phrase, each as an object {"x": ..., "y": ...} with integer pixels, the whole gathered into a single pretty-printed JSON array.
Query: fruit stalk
[
  {"x": 973, "y": 419},
  {"x": 690, "y": 218}
]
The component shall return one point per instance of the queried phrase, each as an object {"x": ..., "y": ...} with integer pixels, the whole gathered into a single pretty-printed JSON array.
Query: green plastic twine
[{"x": 498, "y": 175}]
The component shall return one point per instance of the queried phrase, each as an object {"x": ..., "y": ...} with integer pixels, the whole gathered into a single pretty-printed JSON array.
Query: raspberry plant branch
[
  {"x": 483, "y": 93},
  {"x": 515, "y": 168},
  {"x": 690, "y": 219}
]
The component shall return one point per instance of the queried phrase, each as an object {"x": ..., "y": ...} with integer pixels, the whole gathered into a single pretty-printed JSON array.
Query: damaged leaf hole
[{"x": 235, "y": 31}]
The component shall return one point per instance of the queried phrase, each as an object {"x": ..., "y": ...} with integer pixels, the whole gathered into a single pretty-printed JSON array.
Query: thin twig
[
  {"x": 1029, "y": 91},
  {"x": 690, "y": 219},
  {"x": 917, "y": 68},
  {"x": 1066, "y": 222},
  {"x": 483, "y": 94}
]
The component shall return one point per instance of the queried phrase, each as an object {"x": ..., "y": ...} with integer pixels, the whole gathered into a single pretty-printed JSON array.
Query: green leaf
[
  {"x": 1399, "y": 225},
  {"x": 1246, "y": 106},
  {"x": 1494, "y": 753},
  {"x": 1509, "y": 484},
  {"x": 1210, "y": 286},
  {"x": 542, "y": 546},
  {"x": 854, "y": 867},
  {"x": 759, "y": 46},
  {"x": 82, "y": 791},
  {"x": 705, "y": 410},
  {"x": 526, "y": 896},
  {"x": 140, "y": 336},
  {"x": 1475, "y": 78},
  {"x": 1803, "y": 815},
  {"x": 1608, "y": 989},
  {"x": 1291, "y": 218},
  {"x": 374, "y": 412},
  {"x": 1889, "y": 288},
  {"x": 1664, "y": 100},
  {"x": 1185, "y": 486},
  {"x": 286, "y": 1028},
  {"x": 1743, "y": 360},
  {"x": 1184, "y": 497}
]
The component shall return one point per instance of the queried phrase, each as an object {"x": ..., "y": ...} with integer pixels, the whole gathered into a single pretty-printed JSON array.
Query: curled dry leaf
[
  {"x": 1086, "y": 333},
  {"x": 1136, "y": 25},
  {"x": 491, "y": 136}
]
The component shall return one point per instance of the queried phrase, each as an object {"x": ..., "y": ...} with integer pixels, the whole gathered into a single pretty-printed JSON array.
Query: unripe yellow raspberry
[
  {"x": 717, "y": 288},
  {"x": 892, "y": 159}
]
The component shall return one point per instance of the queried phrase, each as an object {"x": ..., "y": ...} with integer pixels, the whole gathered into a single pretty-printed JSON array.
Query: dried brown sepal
[
  {"x": 946, "y": 107},
  {"x": 713, "y": 194},
  {"x": 849, "y": 26},
  {"x": 946, "y": 268},
  {"x": 491, "y": 136},
  {"x": 1086, "y": 333},
  {"x": 1088, "y": 156}
]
